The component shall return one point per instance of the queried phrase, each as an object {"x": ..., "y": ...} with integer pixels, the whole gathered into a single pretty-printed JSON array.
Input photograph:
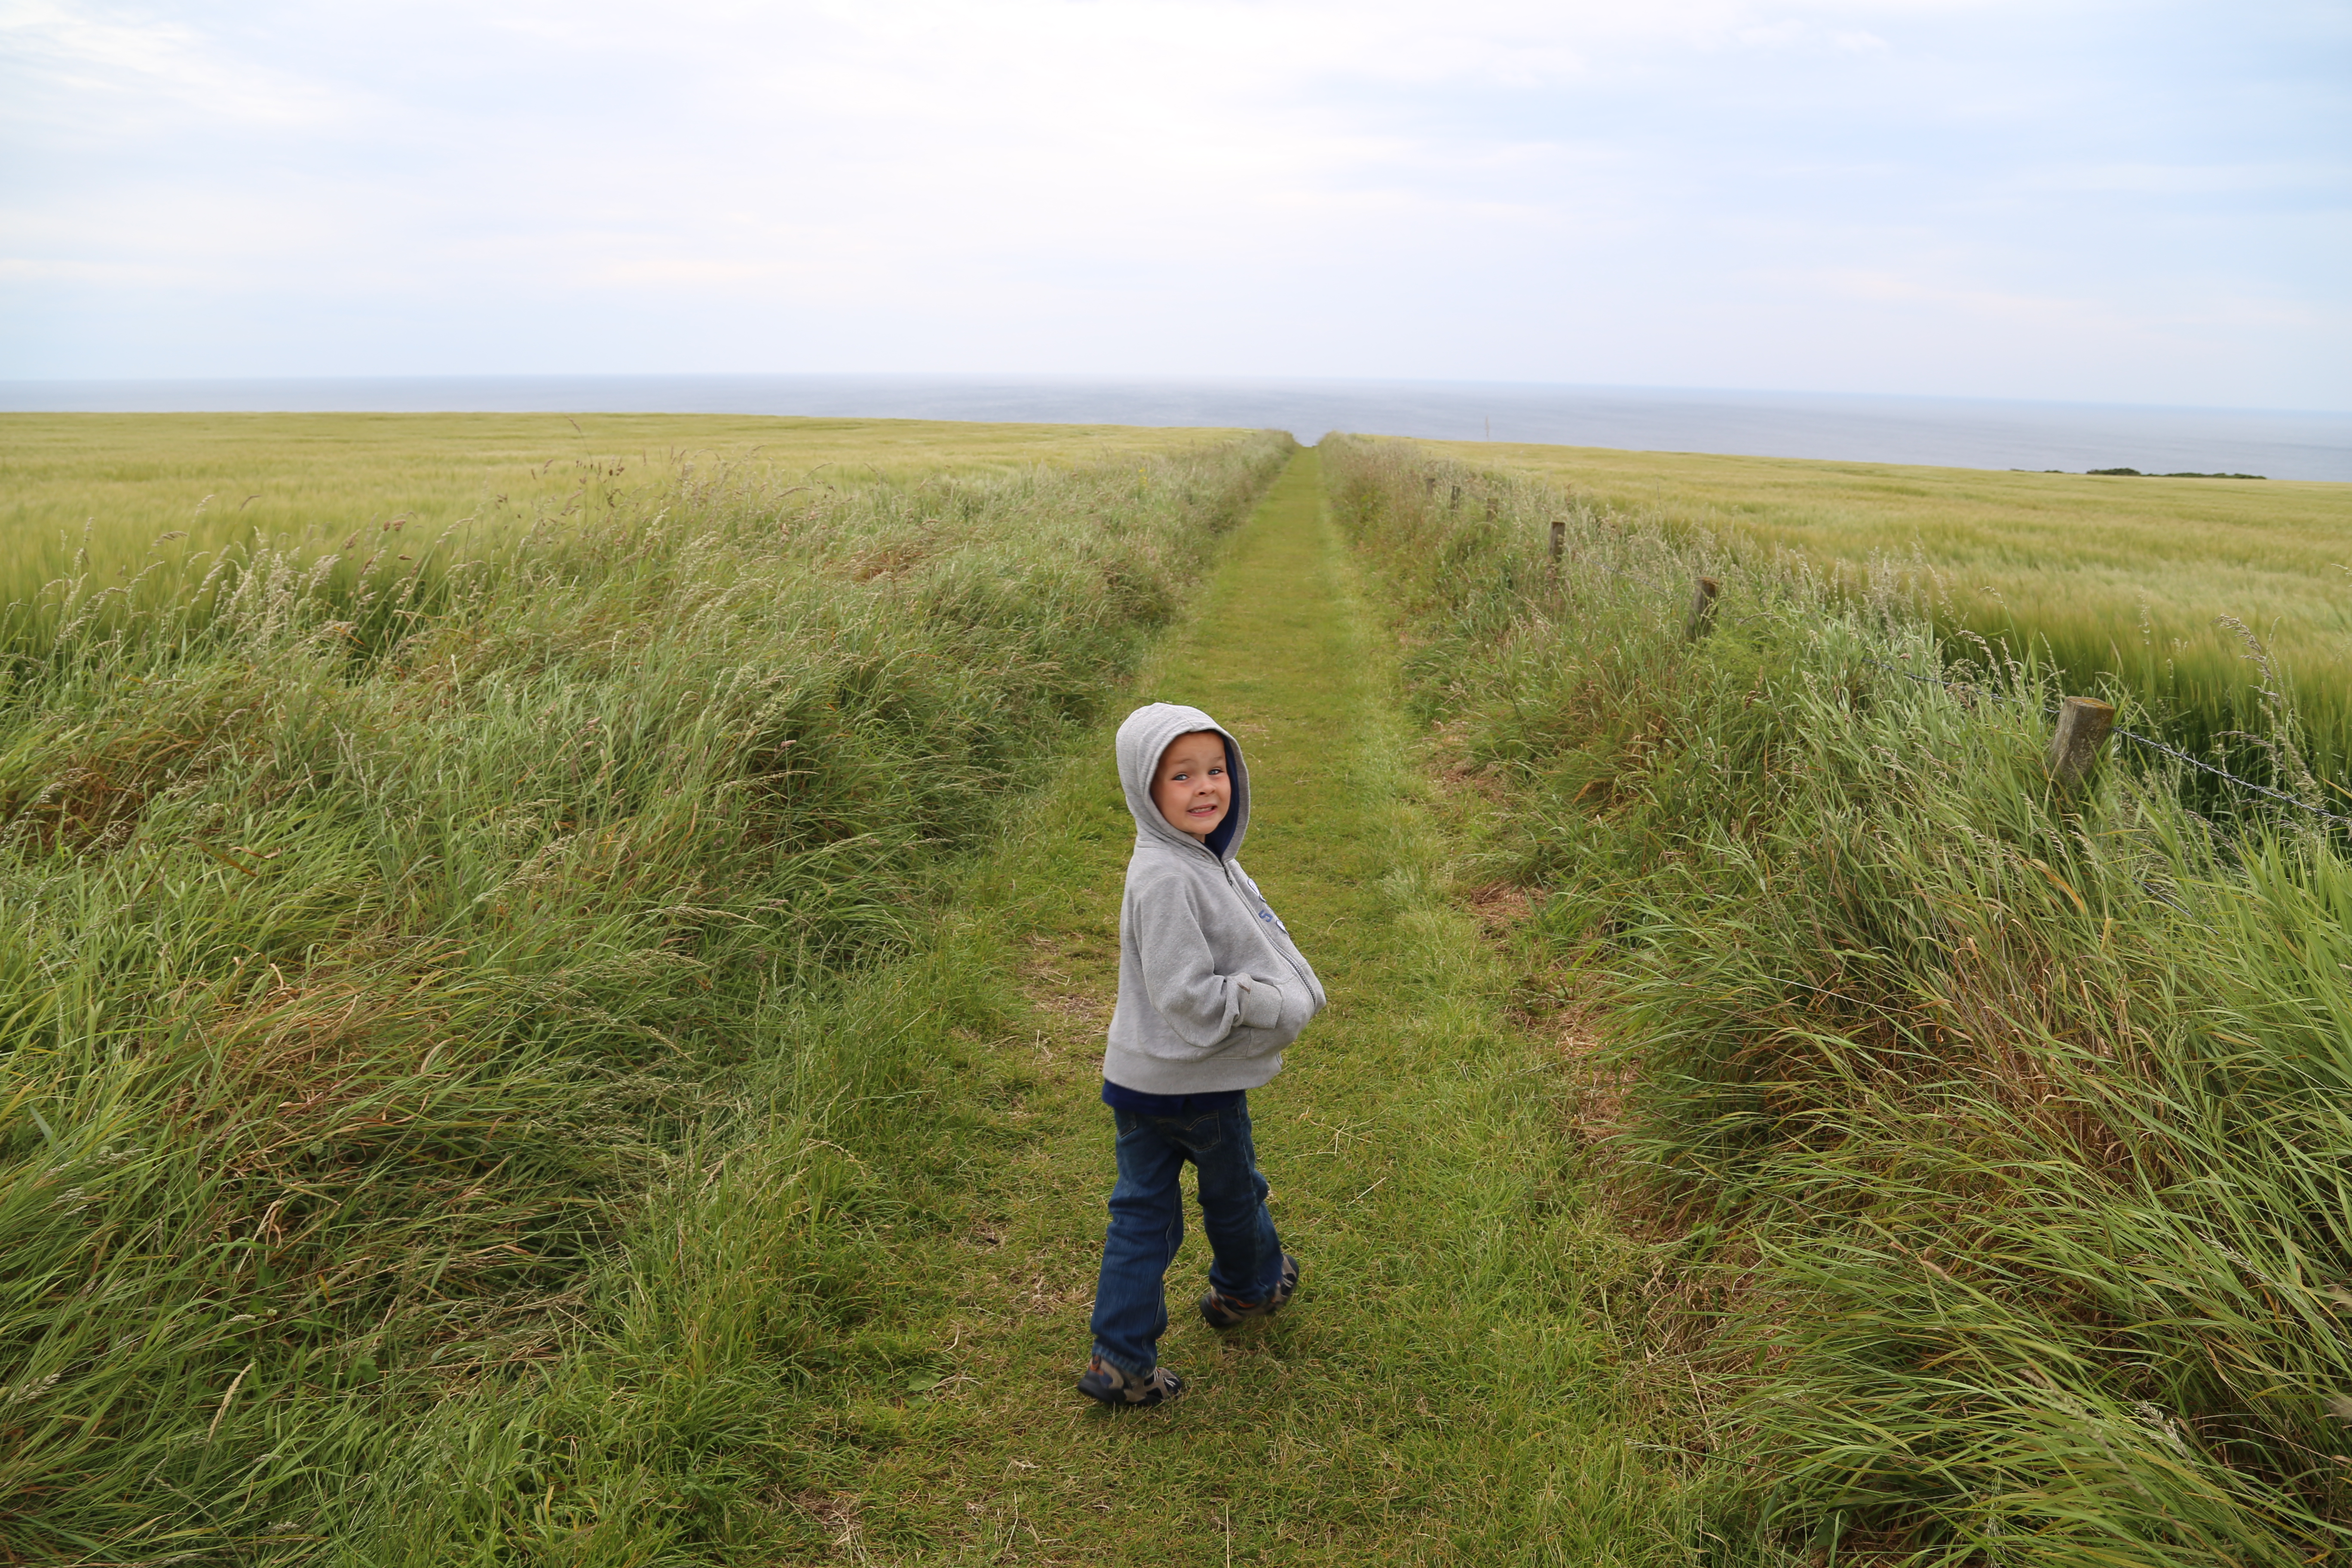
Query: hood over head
[{"x": 1143, "y": 738}]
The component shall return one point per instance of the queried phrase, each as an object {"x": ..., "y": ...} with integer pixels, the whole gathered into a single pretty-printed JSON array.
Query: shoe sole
[{"x": 1113, "y": 1399}]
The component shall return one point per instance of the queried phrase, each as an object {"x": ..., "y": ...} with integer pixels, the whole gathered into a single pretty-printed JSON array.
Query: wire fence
[
  {"x": 2134, "y": 736},
  {"x": 2154, "y": 745}
]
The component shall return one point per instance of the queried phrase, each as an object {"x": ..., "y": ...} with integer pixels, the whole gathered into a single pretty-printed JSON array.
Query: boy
[{"x": 1210, "y": 988}]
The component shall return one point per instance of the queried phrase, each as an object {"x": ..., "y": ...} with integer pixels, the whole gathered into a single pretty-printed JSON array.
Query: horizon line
[{"x": 1108, "y": 378}]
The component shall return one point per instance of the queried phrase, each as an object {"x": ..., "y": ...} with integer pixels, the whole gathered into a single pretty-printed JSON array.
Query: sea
[{"x": 1955, "y": 432}]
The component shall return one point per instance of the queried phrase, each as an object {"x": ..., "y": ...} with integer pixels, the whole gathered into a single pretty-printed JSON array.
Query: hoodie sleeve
[{"x": 1202, "y": 1005}]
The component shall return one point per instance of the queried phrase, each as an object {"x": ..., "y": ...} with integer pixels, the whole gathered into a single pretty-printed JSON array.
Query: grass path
[{"x": 1437, "y": 1393}]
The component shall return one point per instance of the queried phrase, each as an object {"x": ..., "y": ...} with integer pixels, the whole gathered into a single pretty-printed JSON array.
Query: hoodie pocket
[
  {"x": 1297, "y": 1008},
  {"x": 1264, "y": 1004},
  {"x": 1274, "y": 1015}
]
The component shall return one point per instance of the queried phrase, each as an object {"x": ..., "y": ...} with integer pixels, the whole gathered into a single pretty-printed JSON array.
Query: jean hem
[{"x": 1103, "y": 1355}]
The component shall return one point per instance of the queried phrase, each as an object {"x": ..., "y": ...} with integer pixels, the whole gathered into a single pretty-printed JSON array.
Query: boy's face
[{"x": 1190, "y": 787}]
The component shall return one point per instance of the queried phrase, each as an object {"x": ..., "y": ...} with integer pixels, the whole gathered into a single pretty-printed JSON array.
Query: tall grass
[
  {"x": 432, "y": 1011},
  {"x": 2196, "y": 595},
  {"x": 1997, "y": 1137}
]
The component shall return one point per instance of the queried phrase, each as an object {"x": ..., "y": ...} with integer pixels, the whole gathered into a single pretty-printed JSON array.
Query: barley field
[
  {"x": 2174, "y": 589},
  {"x": 90, "y": 502}
]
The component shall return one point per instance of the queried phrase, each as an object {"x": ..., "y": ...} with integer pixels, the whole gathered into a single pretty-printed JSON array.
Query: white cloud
[
  {"x": 120, "y": 68},
  {"x": 1552, "y": 191}
]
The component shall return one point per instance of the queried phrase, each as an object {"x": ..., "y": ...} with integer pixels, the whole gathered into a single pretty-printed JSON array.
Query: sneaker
[
  {"x": 1224, "y": 1311},
  {"x": 1108, "y": 1384}
]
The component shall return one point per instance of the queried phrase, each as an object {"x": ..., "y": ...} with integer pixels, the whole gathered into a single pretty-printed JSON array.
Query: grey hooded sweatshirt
[{"x": 1210, "y": 987}]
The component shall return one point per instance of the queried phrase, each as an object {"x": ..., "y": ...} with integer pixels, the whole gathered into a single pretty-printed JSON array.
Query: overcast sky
[{"x": 2137, "y": 203}]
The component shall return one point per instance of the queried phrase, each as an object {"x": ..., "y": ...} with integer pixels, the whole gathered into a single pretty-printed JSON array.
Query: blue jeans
[{"x": 1146, "y": 1226}]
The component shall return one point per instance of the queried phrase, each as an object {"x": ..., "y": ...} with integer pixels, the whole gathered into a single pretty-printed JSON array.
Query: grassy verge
[
  {"x": 432, "y": 1039},
  {"x": 1993, "y": 1137},
  {"x": 2194, "y": 594},
  {"x": 1444, "y": 1388}
]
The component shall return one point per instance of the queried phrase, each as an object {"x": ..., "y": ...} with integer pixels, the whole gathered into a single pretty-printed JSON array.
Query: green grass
[
  {"x": 438, "y": 1016},
  {"x": 1445, "y": 1387},
  {"x": 1993, "y": 1136},
  {"x": 2117, "y": 580},
  {"x": 582, "y": 1048},
  {"x": 609, "y": 1076}
]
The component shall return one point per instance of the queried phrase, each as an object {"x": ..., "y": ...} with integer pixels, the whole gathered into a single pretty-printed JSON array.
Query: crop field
[
  {"x": 90, "y": 501},
  {"x": 2163, "y": 585}
]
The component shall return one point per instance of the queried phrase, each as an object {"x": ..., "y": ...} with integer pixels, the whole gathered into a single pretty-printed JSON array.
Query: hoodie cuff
[{"x": 1261, "y": 1005}]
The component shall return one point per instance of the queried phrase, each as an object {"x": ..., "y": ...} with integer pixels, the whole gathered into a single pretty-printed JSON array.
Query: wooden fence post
[
  {"x": 1454, "y": 501},
  {"x": 1558, "y": 536},
  {"x": 1702, "y": 610},
  {"x": 1429, "y": 487},
  {"x": 2083, "y": 726}
]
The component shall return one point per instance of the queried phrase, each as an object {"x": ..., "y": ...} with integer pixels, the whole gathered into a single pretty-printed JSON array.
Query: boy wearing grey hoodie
[{"x": 1210, "y": 988}]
